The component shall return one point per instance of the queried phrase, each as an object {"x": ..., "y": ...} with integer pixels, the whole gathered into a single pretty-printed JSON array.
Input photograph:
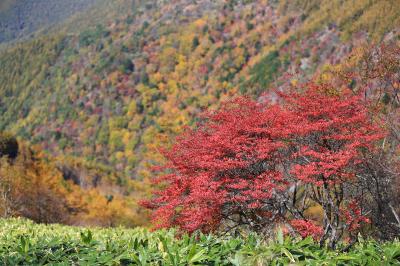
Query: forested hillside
[{"x": 100, "y": 97}]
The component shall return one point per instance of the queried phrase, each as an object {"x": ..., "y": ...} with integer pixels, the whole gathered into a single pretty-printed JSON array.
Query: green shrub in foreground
[{"x": 23, "y": 242}]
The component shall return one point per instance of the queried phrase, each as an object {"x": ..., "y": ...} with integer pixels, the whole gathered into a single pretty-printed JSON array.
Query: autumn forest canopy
[{"x": 226, "y": 117}]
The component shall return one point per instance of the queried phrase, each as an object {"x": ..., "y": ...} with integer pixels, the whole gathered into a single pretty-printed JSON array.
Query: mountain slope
[{"x": 112, "y": 94}]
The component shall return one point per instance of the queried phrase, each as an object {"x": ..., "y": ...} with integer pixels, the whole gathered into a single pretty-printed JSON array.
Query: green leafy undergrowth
[{"x": 23, "y": 242}]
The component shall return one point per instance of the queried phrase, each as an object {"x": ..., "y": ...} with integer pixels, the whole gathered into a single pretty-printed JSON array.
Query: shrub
[{"x": 252, "y": 165}]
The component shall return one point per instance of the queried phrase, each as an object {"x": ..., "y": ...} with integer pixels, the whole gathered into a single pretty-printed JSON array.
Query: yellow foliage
[
  {"x": 186, "y": 43},
  {"x": 200, "y": 23},
  {"x": 32, "y": 188},
  {"x": 110, "y": 211},
  {"x": 374, "y": 16},
  {"x": 132, "y": 108},
  {"x": 113, "y": 78},
  {"x": 119, "y": 155},
  {"x": 156, "y": 78}
]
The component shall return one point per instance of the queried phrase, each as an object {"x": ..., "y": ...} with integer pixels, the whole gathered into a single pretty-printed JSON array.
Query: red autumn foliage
[
  {"x": 249, "y": 159},
  {"x": 353, "y": 217},
  {"x": 379, "y": 72},
  {"x": 307, "y": 228}
]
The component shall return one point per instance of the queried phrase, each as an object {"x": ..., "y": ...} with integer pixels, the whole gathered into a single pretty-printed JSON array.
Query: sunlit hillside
[{"x": 100, "y": 92}]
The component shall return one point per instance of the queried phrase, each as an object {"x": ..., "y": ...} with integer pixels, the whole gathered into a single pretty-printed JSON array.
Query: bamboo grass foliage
[{"x": 23, "y": 242}]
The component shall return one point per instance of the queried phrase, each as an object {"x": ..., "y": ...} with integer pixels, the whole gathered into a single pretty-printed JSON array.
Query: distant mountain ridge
[{"x": 20, "y": 18}]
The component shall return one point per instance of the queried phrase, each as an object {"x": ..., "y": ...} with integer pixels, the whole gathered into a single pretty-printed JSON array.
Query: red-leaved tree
[
  {"x": 378, "y": 70},
  {"x": 255, "y": 165}
]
